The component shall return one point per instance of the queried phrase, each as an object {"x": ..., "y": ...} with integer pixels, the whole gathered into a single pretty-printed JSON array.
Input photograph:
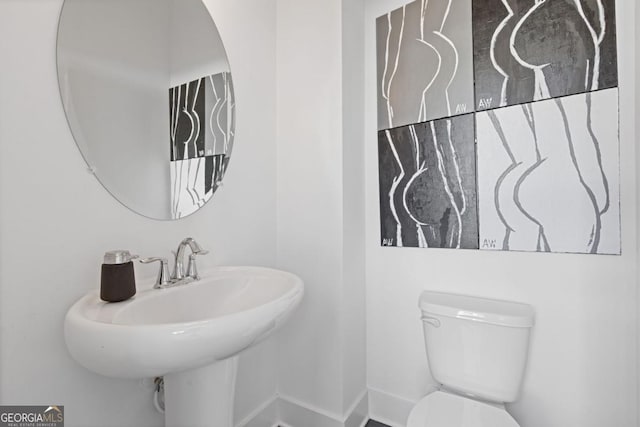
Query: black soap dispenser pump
[{"x": 118, "y": 282}]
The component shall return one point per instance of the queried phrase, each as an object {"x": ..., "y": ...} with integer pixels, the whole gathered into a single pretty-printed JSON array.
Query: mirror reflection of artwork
[
  {"x": 428, "y": 185},
  {"x": 529, "y": 50},
  {"x": 187, "y": 120},
  {"x": 425, "y": 62},
  {"x": 201, "y": 138}
]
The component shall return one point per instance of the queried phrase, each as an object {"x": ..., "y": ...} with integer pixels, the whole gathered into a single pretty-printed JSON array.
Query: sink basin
[{"x": 164, "y": 331}]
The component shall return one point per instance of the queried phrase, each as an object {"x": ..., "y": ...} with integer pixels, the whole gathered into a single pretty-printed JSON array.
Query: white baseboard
[
  {"x": 263, "y": 416},
  {"x": 297, "y": 414},
  {"x": 358, "y": 414},
  {"x": 389, "y": 409},
  {"x": 284, "y": 411}
]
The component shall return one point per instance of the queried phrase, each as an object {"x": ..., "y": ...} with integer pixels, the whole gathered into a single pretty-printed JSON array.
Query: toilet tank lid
[{"x": 477, "y": 309}]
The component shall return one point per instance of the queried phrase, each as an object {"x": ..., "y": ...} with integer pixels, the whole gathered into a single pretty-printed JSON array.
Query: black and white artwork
[
  {"x": 498, "y": 125},
  {"x": 201, "y": 139},
  {"x": 187, "y": 120},
  {"x": 193, "y": 182},
  {"x": 548, "y": 177},
  {"x": 201, "y": 117},
  {"x": 428, "y": 184},
  {"x": 424, "y": 62},
  {"x": 531, "y": 50},
  {"x": 219, "y": 107}
]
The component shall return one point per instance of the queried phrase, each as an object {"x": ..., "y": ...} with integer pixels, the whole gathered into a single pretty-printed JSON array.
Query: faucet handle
[
  {"x": 192, "y": 269},
  {"x": 163, "y": 278},
  {"x": 178, "y": 268}
]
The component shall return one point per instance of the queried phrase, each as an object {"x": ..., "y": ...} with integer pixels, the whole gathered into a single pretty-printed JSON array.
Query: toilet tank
[{"x": 476, "y": 346}]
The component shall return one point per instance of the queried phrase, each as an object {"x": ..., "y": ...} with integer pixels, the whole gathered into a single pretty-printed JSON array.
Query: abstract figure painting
[
  {"x": 530, "y": 50},
  {"x": 187, "y": 186},
  {"x": 548, "y": 175},
  {"x": 428, "y": 184},
  {"x": 193, "y": 182},
  {"x": 219, "y": 114},
  {"x": 498, "y": 125},
  {"x": 201, "y": 138},
  {"x": 201, "y": 114},
  {"x": 425, "y": 62},
  {"x": 187, "y": 120}
]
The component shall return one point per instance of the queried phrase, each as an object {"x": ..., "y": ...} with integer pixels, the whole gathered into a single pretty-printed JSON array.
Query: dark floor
[{"x": 372, "y": 423}]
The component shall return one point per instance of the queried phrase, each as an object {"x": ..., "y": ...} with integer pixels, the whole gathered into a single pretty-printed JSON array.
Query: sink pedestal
[{"x": 201, "y": 397}]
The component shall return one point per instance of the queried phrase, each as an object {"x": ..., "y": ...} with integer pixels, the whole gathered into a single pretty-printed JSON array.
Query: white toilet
[{"x": 477, "y": 350}]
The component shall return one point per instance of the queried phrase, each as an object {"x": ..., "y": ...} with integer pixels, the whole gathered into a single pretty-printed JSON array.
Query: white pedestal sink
[{"x": 190, "y": 334}]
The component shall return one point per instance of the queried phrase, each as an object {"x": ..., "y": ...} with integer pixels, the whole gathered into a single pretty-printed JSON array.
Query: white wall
[
  {"x": 310, "y": 197},
  {"x": 354, "y": 286},
  {"x": 637, "y": 130},
  {"x": 56, "y": 220},
  {"x": 583, "y": 361},
  {"x": 322, "y": 349}
]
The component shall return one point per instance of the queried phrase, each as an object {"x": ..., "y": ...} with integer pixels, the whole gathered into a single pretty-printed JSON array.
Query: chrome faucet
[
  {"x": 192, "y": 271},
  {"x": 178, "y": 277}
]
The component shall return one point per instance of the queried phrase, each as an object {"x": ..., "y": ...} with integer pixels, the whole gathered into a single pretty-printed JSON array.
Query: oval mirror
[{"x": 146, "y": 87}]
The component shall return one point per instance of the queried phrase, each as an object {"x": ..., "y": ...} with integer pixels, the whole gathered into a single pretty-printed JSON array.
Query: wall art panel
[
  {"x": 548, "y": 175},
  {"x": 428, "y": 184},
  {"x": 498, "y": 125},
  {"x": 425, "y": 62},
  {"x": 201, "y": 116},
  {"x": 187, "y": 122},
  {"x": 219, "y": 114},
  {"x": 193, "y": 182},
  {"x": 530, "y": 50}
]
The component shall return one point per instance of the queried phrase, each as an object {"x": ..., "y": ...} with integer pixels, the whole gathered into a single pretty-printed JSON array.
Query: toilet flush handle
[{"x": 433, "y": 321}]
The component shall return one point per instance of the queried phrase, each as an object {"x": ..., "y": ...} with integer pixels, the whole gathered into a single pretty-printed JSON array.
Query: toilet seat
[{"x": 443, "y": 409}]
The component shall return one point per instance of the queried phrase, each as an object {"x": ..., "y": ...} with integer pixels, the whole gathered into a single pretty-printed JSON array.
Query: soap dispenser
[{"x": 118, "y": 282}]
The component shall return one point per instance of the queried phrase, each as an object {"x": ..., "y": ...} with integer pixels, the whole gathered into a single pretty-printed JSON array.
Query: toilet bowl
[
  {"x": 477, "y": 351},
  {"x": 443, "y": 409}
]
